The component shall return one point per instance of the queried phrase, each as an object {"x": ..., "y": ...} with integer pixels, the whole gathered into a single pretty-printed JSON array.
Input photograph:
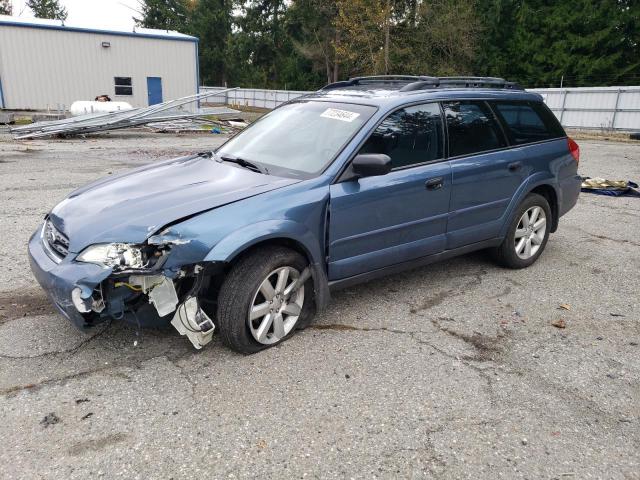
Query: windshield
[{"x": 298, "y": 139}]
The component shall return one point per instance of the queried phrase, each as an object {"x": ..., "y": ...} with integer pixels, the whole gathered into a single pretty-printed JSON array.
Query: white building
[{"x": 47, "y": 65}]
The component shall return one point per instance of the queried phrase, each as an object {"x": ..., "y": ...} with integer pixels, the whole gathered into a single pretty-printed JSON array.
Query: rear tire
[
  {"x": 527, "y": 235},
  {"x": 256, "y": 287}
]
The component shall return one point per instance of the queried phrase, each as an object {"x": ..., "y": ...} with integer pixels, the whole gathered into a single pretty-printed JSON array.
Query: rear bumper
[
  {"x": 60, "y": 279},
  {"x": 570, "y": 188}
]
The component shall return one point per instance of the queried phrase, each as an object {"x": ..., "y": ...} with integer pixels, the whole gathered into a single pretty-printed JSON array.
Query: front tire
[
  {"x": 527, "y": 235},
  {"x": 257, "y": 306}
]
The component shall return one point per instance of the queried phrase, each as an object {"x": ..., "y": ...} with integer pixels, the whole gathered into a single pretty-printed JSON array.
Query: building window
[{"x": 123, "y": 86}]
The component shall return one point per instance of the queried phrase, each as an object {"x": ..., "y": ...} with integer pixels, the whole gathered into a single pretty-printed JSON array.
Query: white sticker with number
[{"x": 342, "y": 115}]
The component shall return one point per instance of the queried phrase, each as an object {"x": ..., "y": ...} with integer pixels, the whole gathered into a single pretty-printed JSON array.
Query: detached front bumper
[{"x": 59, "y": 280}]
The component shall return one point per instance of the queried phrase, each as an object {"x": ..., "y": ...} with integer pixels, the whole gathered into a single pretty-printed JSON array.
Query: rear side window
[
  {"x": 409, "y": 136},
  {"x": 527, "y": 122},
  {"x": 472, "y": 128}
]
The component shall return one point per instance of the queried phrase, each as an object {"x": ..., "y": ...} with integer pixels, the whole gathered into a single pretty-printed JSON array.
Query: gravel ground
[{"x": 450, "y": 371}]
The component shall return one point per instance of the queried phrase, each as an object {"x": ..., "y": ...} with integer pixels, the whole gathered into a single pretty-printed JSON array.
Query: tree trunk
[
  {"x": 336, "y": 62},
  {"x": 387, "y": 27},
  {"x": 327, "y": 66}
]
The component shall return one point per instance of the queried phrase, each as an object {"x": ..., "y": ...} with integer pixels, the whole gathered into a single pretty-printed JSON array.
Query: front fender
[
  {"x": 535, "y": 180},
  {"x": 240, "y": 240}
]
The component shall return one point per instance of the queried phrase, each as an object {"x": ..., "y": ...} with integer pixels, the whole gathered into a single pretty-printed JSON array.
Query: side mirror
[{"x": 370, "y": 165}]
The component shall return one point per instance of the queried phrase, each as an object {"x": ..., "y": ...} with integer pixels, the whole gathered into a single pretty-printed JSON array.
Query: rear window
[
  {"x": 527, "y": 122},
  {"x": 472, "y": 128}
]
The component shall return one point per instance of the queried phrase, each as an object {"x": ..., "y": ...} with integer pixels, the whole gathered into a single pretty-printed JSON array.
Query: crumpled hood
[{"x": 131, "y": 206}]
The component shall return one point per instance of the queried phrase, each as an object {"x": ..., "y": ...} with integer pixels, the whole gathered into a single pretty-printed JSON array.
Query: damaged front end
[{"x": 132, "y": 282}]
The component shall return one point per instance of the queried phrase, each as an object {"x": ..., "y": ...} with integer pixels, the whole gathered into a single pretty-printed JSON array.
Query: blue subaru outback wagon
[{"x": 363, "y": 178}]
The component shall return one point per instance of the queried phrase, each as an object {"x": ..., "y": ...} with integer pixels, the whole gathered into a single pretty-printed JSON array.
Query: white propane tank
[{"x": 83, "y": 107}]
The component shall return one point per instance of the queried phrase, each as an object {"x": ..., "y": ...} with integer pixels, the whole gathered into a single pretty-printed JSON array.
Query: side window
[
  {"x": 123, "y": 86},
  {"x": 472, "y": 128},
  {"x": 409, "y": 136},
  {"x": 524, "y": 122}
]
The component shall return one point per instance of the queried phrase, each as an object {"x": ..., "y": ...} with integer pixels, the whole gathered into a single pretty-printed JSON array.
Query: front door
[
  {"x": 154, "y": 90},
  {"x": 385, "y": 220}
]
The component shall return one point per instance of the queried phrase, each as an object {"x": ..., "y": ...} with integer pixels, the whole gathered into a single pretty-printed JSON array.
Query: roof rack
[
  {"x": 412, "y": 83},
  {"x": 388, "y": 79}
]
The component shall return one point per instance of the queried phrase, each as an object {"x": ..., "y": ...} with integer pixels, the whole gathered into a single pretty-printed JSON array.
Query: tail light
[{"x": 574, "y": 149}]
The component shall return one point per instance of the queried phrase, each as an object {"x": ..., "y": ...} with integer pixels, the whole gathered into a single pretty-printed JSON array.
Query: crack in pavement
[
  {"x": 484, "y": 346},
  {"x": 97, "y": 444},
  {"x": 441, "y": 296},
  {"x": 73, "y": 349},
  {"x": 481, "y": 345},
  {"x": 18, "y": 304},
  {"x": 183, "y": 373},
  {"x": 86, "y": 373},
  {"x": 604, "y": 237}
]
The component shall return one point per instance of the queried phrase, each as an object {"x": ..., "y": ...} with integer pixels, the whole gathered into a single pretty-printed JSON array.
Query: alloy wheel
[
  {"x": 530, "y": 232},
  {"x": 276, "y": 306}
]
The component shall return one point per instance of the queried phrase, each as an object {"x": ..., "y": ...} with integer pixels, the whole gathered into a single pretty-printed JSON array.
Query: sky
[{"x": 92, "y": 13}]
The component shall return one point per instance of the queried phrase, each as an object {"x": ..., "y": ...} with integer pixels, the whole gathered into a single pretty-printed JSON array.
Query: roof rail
[
  {"x": 462, "y": 82},
  {"x": 377, "y": 79},
  {"x": 413, "y": 83}
]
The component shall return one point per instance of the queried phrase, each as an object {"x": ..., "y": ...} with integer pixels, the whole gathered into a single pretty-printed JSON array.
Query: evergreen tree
[
  {"x": 263, "y": 52},
  {"x": 165, "y": 14},
  {"x": 261, "y": 38},
  {"x": 311, "y": 24},
  {"x": 538, "y": 43},
  {"x": 303, "y": 44},
  {"x": 212, "y": 20},
  {"x": 5, "y": 7},
  {"x": 48, "y": 9}
]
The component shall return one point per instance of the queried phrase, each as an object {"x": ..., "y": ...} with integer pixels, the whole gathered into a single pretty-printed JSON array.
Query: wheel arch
[
  {"x": 549, "y": 193},
  {"x": 285, "y": 233},
  {"x": 542, "y": 184}
]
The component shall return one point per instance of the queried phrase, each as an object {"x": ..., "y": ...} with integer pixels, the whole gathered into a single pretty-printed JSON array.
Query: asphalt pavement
[{"x": 454, "y": 370}]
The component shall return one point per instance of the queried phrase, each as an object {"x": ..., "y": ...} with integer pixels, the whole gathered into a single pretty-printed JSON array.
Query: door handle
[
  {"x": 515, "y": 166},
  {"x": 434, "y": 183}
]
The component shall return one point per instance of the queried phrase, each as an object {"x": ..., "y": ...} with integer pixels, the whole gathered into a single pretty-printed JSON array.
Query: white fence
[
  {"x": 607, "y": 108},
  {"x": 604, "y": 108},
  {"x": 253, "y": 97}
]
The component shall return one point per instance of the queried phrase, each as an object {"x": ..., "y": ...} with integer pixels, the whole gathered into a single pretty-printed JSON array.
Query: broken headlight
[{"x": 114, "y": 255}]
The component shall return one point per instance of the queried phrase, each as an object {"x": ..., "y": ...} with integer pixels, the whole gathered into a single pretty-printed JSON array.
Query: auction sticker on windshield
[{"x": 343, "y": 115}]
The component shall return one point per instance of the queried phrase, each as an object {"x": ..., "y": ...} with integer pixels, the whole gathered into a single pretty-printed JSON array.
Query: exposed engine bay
[{"x": 142, "y": 291}]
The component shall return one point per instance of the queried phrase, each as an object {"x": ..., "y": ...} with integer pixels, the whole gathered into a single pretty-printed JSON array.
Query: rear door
[
  {"x": 389, "y": 219},
  {"x": 485, "y": 173}
]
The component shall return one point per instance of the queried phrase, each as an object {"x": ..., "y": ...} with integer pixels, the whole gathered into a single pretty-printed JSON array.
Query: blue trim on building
[
  {"x": 185, "y": 38},
  {"x": 1, "y": 94},
  {"x": 197, "y": 68},
  {"x": 197, "y": 45}
]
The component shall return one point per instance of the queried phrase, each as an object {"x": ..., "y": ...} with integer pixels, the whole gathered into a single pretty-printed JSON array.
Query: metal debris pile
[
  {"x": 226, "y": 123},
  {"x": 167, "y": 113}
]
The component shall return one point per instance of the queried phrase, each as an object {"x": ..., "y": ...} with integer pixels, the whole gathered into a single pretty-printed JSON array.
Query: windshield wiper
[{"x": 243, "y": 163}]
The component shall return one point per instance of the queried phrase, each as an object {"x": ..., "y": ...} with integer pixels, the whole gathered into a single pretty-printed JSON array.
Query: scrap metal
[{"x": 163, "y": 112}]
